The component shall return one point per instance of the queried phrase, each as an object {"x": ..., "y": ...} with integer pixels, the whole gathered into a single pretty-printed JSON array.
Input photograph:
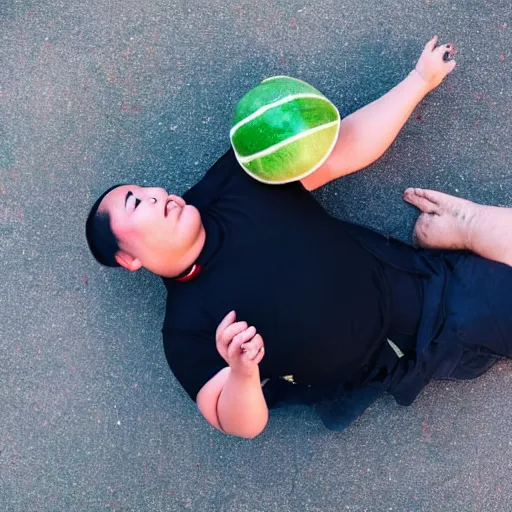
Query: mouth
[
  {"x": 169, "y": 205},
  {"x": 172, "y": 203}
]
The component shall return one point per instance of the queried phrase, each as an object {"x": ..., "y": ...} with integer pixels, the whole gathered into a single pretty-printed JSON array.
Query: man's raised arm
[{"x": 366, "y": 134}]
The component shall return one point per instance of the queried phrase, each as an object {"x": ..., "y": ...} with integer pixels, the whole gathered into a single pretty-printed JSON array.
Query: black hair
[{"x": 102, "y": 242}]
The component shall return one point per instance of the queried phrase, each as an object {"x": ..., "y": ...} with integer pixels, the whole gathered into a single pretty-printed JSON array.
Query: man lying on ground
[{"x": 262, "y": 283}]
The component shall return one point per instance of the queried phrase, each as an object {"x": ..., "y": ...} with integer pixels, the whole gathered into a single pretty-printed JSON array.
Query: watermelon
[{"x": 283, "y": 130}]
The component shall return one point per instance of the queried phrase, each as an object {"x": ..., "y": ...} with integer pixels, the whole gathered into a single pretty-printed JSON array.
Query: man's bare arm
[
  {"x": 232, "y": 401},
  {"x": 366, "y": 134},
  {"x": 234, "y": 404}
]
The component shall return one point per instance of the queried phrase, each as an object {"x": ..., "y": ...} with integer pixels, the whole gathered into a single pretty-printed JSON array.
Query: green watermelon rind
[
  {"x": 269, "y": 91},
  {"x": 297, "y": 177},
  {"x": 277, "y": 124},
  {"x": 305, "y": 89}
]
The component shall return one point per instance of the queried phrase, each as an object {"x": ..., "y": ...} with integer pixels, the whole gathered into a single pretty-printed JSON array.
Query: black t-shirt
[{"x": 276, "y": 257}]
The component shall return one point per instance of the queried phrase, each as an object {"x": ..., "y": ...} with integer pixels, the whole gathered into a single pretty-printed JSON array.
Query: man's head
[{"x": 134, "y": 227}]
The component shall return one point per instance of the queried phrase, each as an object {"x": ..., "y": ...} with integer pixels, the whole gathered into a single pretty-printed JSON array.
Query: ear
[{"x": 128, "y": 262}]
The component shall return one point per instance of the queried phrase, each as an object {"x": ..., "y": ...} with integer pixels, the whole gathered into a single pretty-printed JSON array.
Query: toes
[{"x": 422, "y": 200}]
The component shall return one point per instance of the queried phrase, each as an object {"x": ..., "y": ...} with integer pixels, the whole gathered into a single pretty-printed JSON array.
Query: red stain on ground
[
  {"x": 426, "y": 433},
  {"x": 239, "y": 11},
  {"x": 502, "y": 58},
  {"x": 12, "y": 215},
  {"x": 503, "y": 25},
  {"x": 132, "y": 109},
  {"x": 292, "y": 23},
  {"x": 478, "y": 497},
  {"x": 419, "y": 117}
]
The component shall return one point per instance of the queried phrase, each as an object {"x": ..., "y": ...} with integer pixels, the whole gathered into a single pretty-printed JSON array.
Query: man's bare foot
[{"x": 446, "y": 221}]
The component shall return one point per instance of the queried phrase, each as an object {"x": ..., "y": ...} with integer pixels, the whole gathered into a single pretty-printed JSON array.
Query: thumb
[{"x": 431, "y": 44}]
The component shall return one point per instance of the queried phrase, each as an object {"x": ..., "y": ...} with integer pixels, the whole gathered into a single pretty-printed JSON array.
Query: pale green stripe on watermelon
[
  {"x": 279, "y": 123},
  {"x": 270, "y": 106},
  {"x": 270, "y": 91},
  {"x": 296, "y": 159},
  {"x": 279, "y": 77},
  {"x": 290, "y": 140}
]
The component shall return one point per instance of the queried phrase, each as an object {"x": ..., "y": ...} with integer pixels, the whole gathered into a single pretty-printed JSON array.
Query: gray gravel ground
[{"x": 99, "y": 92}]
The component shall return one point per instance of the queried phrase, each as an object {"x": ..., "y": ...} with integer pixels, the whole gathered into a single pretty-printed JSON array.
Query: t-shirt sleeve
[{"x": 192, "y": 357}]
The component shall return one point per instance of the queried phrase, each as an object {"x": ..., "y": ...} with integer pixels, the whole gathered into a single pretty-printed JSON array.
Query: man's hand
[
  {"x": 434, "y": 63},
  {"x": 239, "y": 345}
]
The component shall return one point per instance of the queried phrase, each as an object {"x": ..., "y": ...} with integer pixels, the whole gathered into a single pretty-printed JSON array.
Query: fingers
[
  {"x": 450, "y": 47},
  {"x": 226, "y": 331},
  {"x": 422, "y": 199},
  {"x": 259, "y": 355},
  {"x": 445, "y": 51},
  {"x": 429, "y": 47},
  {"x": 227, "y": 320},
  {"x": 235, "y": 347},
  {"x": 251, "y": 349},
  {"x": 231, "y": 331},
  {"x": 235, "y": 340}
]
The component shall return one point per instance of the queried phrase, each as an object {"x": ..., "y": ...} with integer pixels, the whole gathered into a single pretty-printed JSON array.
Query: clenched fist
[{"x": 239, "y": 345}]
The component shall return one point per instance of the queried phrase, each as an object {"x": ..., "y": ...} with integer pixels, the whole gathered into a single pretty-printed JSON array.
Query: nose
[{"x": 156, "y": 195}]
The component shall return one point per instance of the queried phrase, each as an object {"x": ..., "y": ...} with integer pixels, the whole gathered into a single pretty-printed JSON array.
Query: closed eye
[{"x": 137, "y": 202}]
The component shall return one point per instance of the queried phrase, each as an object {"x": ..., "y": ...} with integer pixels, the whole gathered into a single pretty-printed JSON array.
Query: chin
[{"x": 191, "y": 220}]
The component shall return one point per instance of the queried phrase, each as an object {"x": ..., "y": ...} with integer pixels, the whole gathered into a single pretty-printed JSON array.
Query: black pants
[{"x": 450, "y": 318}]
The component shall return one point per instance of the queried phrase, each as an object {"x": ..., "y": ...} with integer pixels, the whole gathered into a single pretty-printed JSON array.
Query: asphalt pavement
[{"x": 101, "y": 92}]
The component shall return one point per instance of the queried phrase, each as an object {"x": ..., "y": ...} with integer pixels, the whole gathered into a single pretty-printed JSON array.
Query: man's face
[{"x": 154, "y": 228}]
